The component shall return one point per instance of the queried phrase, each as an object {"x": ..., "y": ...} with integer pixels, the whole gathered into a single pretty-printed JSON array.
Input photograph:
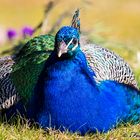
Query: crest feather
[{"x": 76, "y": 20}]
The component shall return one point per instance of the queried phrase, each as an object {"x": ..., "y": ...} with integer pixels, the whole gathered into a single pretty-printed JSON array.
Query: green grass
[{"x": 22, "y": 131}]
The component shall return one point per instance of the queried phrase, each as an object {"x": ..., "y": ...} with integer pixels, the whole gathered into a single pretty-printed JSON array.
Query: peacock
[
  {"x": 19, "y": 73},
  {"x": 72, "y": 99}
]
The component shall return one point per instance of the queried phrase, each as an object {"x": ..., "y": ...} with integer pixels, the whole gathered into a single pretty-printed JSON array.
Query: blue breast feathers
[{"x": 73, "y": 101}]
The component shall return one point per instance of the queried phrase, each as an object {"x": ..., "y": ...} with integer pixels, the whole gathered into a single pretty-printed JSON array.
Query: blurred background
[{"x": 114, "y": 24}]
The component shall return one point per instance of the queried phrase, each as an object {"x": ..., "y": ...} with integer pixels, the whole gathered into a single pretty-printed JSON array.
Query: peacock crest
[{"x": 76, "y": 20}]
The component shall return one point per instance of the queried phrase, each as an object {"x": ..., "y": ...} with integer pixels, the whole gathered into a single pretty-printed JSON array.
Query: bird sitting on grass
[
  {"x": 81, "y": 104},
  {"x": 73, "y": 100}
]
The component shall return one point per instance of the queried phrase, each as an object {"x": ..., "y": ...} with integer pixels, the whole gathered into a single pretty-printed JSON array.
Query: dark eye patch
[{"x": 74, "y": 41}]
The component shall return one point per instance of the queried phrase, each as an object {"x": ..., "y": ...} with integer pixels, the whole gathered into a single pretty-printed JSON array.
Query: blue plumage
[{"x": 71, "y": 98}]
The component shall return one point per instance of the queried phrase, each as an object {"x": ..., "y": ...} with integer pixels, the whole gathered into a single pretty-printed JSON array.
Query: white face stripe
[
  {"x": 69, "y": 43},
  {"x": 75, "y": 46}
]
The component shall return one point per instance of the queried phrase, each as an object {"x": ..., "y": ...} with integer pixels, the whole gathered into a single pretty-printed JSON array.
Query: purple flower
[
  {"x": 11, "y": 34},
  {"x": 27, "y": 31}
]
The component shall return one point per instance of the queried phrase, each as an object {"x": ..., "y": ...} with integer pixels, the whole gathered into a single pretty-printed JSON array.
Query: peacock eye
[{"x": 74, "y": 41}]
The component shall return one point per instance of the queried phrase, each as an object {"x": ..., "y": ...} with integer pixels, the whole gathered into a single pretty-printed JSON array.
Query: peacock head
[{"x": 67, "y": 41}]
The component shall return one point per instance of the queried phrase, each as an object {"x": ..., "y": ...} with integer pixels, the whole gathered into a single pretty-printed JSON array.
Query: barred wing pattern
[
  {"x": 8, "y": 93},
  {"x": 108, "y": 66}
]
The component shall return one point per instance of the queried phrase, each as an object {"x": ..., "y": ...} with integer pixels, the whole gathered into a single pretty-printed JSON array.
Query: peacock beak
[{"x": 63, "y": 48}]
